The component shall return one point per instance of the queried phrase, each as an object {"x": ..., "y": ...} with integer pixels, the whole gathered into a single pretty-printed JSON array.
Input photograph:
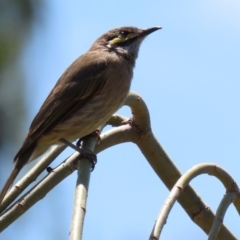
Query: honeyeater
[{"x": 90, "y": 90}]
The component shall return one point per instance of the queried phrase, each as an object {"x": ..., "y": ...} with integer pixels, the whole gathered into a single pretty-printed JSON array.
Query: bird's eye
[{"x": 123, "y": 34}]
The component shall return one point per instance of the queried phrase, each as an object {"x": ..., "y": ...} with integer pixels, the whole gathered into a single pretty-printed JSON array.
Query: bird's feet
[
  {"x": 90, "y": 156},
  {"x": 84, "y": 154}
]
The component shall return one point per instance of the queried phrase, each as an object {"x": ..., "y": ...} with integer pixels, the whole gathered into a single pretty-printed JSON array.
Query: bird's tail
[{"x": 9, "y": 182}]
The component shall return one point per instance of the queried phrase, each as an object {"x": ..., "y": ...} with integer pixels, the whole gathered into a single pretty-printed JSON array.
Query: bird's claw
[
  {"x": 90, "y": 156},
  {"x": 83, "y": 153}
]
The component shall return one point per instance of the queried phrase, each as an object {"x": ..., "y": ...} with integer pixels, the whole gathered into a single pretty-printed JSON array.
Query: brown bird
[{"x": 91, "y": 89}]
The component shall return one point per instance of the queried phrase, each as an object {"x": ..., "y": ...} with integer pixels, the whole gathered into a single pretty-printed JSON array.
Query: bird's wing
[{"x": 83, "y": 79}]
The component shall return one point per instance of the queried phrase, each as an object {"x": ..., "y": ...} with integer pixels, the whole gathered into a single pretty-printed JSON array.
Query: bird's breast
[{"x": 99, "y": 108}]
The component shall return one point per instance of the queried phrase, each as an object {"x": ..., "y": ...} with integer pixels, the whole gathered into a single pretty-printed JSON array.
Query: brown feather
[
  {"x": 76, "y": 86},
  {"x": 17, "y": 168},
  {"x": 9, "y": 183},
  {"x": 85, "y": 96}
]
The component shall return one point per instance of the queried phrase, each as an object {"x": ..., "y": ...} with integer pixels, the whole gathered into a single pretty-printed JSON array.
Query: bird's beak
[{"x": 147, "y": 31}]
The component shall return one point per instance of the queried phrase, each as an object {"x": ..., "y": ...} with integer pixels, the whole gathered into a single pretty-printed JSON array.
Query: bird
[{"x": 90, "y": 90}]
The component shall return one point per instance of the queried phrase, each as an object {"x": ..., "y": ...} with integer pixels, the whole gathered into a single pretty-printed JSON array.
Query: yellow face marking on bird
[{"x": 120, "y": 38}]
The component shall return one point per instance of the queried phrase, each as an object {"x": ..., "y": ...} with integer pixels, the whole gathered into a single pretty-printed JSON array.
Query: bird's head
[{"x": 124, "y": 41}]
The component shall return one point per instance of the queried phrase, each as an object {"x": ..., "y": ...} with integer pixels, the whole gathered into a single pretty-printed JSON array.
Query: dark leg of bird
[
  {"x": 84, "y": 154},
  {"x": 79, "y": 142}
]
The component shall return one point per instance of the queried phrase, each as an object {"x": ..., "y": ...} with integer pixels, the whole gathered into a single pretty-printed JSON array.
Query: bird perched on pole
[{"x": 92, "y": 88}]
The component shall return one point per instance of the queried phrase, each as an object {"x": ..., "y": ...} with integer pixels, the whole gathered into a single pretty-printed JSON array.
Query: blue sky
[{"x": 188, "y": 73}]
